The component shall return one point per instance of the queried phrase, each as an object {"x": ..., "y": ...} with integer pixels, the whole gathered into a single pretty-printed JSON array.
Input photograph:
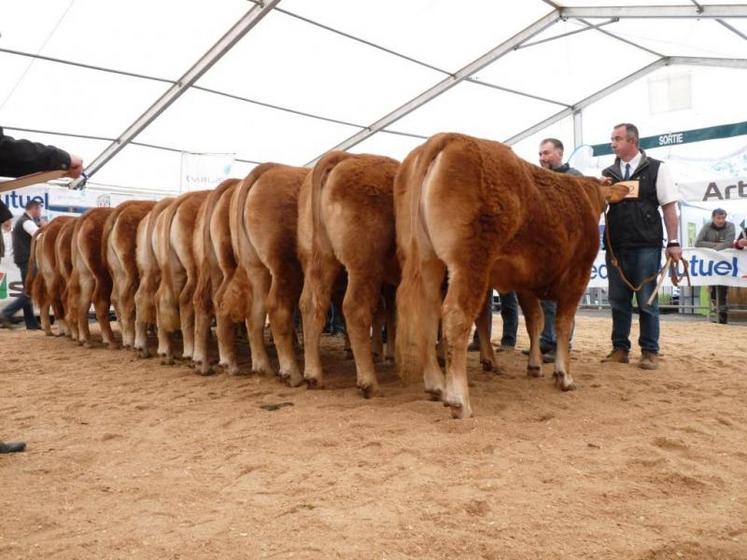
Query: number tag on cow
[{"x": 632, "y": 187}]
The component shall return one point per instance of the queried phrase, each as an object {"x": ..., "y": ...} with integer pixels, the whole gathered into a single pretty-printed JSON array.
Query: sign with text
[
  {"x": 204, "y": 171},
  {"x": 716, "y": 190},
  {"x": 707, "y": 268}
]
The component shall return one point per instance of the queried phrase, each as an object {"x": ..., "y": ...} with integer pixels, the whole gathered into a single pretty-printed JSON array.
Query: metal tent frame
[{"x": 603, "y": 18}]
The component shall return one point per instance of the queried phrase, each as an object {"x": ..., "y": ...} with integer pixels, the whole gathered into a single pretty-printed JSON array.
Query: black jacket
[
  {"x": 21, "y": 157},
  {"x": 635, "y": 222}
]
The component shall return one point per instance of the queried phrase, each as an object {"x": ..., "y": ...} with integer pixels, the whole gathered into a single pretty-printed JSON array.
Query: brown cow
[
  {"x": 172, "y": 240},
  {"x": 266, "y": 213},
  {"x": 48, "y": 285},
  {"x": 90, "y": 281},
  {"x": 212, "y": 238},
  {"x": 346, "y": 220},
  {"x": 64, "y": 264},
  {"x": 120, "y": 236},
  {"x": 150, "y": 276},
  {"x": 493, "y": 220}
]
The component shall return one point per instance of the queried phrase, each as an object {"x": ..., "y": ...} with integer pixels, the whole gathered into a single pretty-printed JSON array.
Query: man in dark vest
[
  {"x": 634, "y": 237},
  {"x": 24, "y": 229},
  {"x": 21, "y": 157}
]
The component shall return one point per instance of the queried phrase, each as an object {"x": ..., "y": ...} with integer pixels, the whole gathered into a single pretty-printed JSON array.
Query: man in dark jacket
[
  {"x": 634, "y": 236},
  {"x": 717, "y": 235},
  {"x": 21, "y": 157},
  {"x": 551, "y": 157}
]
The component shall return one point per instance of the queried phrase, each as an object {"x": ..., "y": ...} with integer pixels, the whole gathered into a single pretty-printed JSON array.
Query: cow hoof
[
  {"x": 369, "y": 390},
  {"x": 313, "y": 383},
  {"x": 458, "y": 411},
  {"x": 143, "y": 353},
  {"x": 562, "y": 384},
  {"x": 233, "y": 370},
  {"x": 487, "y": 365},
  {"x": 435, "y": 394},
  {"x": 165, "y": 361},
  {"x": 534, "y": 371},
  {"x": 294, "y": 380},
  {"x": 48, "y": 333},
  {"x": 205, "y": 372}
]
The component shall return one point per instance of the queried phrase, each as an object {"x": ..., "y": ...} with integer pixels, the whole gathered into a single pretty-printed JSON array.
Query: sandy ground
[{"x": 129, "y": 458}]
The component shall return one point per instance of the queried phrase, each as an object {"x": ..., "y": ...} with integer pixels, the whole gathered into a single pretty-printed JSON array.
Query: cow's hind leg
[
  {"x": 285, "y": 290},
  {"x": 83, "y": 304},
  {"x": 102, "y": 302},
  {"x": 563, "y": 326},
  {"x": 359, "y": 305},
  {"x": 530, "y": 305},
  {"x": 315, "y": 299},
  {"x": 466, "y": 293},
  {"x": 59, "y": 315},
  {"x": 44, "y": 315},
  {"x": 259, "y": 278}
]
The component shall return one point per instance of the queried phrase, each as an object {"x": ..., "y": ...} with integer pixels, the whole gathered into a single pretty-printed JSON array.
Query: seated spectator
[{"x": 718, "y": 235}]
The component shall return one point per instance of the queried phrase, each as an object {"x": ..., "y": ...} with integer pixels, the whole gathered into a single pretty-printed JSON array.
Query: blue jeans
[
  {"x": 509, "y": 314},
  {"x": 548, "y": 338},
  {"x": 22, "y": 302},
  {"x": 637, "y": 264}
]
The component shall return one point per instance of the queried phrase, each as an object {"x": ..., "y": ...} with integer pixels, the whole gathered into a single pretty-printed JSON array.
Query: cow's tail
[
  {"x": 244, "y": 188},
  {"x": 203, "y": 290},
  {"x": 106, "y": 234},
  {"x": 415, "y": 300},
  {"x": 318, "y": 177},
  {"x": 168, "y": 315}
]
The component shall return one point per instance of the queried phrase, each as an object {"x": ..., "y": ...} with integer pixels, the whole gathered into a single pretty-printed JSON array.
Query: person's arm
[
  {"x": 21, "y": 157},
  {"x": 671, "y": 222},
  {"x": 667, "y": 195},
  {"x": 741, "y": 241},
  {"x": 701, "y": 242},
  {"x": 30, "y": 227}
]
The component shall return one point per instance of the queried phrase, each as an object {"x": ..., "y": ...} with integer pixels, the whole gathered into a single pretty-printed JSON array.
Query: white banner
[
  {"x": 55, "y": 201},
  {"x": 717, "y": 190},
  {"x": 204, "y": 171},
  {"x": 707, "y": 268}
]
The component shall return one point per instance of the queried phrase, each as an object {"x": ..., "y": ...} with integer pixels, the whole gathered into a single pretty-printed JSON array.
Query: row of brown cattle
[{"x": 354, "y": 229}]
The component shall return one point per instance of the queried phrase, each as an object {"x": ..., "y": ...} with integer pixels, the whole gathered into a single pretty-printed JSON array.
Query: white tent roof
[{"x": 129, "y": 86}]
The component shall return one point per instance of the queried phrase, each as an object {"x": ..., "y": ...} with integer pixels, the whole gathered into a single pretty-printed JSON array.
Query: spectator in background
[{"x": 718, "y": 234}]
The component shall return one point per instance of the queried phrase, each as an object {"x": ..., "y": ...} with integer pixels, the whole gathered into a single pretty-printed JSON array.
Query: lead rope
[{"x": 670, "y": 265}]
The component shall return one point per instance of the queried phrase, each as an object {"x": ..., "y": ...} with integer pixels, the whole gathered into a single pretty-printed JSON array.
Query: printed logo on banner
[
  {"x": 706, "y": 267},
  {"x": 713, "y": 192}
]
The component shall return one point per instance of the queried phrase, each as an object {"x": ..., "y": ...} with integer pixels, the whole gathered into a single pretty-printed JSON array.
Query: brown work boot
[
  {"x": 618, "y": 355},
  {"x": 649, "y": 360}
]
